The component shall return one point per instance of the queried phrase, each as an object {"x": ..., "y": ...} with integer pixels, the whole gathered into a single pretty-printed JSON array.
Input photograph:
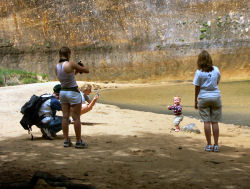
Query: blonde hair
[
  {"x": 86, "y": 87},
  {"x": 177, "y": 97}
]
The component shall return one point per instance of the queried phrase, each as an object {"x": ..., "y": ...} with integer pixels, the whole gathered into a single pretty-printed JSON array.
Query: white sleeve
[
  {"x": 196, "y": 78},
  {"x": 218, "y": 73},
  {"x": 88, "y": 97},
  {"x": 83, "y": 99}
]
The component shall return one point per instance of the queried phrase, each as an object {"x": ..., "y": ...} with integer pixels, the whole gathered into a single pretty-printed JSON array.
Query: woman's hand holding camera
[{"x": 80, "y": 64}]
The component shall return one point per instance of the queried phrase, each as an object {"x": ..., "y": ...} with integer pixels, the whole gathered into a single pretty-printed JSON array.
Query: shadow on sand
[{"x": 144, "y": 160}]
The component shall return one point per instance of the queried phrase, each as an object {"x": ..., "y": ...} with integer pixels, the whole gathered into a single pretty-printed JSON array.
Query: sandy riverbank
[{"x": 127, "y": 149}]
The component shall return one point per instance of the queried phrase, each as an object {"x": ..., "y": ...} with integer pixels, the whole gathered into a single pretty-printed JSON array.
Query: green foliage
[
  {"x": 205, "y": 31},
  {"x": 159, "y": 47},
  {"x": 48, "y": 45},
  {"x": 7, "y": 72},
  {"x": 202, "y": 30},
  {"x": 29, "y": 80},
  {"x": 12, "y": 83},
  {"x": 205, "y": 24},
  {"x": 44, "y": 76},
  {"x": 219, "y": 22},
  {"x": 23, "y": 77},
  {"x": 1, "y": 80},
  {"x": 202, "y": 36}
]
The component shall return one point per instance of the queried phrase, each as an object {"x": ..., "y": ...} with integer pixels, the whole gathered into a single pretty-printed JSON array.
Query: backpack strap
[{"x": 50, "y": 96}]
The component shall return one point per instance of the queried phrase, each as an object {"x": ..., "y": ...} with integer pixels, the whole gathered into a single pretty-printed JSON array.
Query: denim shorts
[
  {"x": 70, "y": 97},
  {"x": 210, "y": 109}
]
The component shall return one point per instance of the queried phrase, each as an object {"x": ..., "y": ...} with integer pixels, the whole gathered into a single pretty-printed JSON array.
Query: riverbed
[{"x": 235, "y": 99}]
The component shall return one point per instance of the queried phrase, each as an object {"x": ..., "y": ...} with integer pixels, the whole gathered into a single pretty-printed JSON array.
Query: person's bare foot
[{"x": 177, "y": 129}]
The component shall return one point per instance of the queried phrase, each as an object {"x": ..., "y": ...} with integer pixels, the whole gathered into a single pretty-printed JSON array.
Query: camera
[{"x": 81, "y": 64}]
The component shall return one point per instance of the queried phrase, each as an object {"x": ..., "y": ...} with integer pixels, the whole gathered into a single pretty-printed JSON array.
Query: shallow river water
[{"x": 156, "y": 98}]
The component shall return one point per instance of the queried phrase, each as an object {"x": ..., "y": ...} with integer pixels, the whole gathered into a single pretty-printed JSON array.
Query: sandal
[
  {"x": 81, "y": 145},
  {"x": 209, "y": 148},
  {"x": 67, "y": 143},
  {"x": 216, "y": 148}
]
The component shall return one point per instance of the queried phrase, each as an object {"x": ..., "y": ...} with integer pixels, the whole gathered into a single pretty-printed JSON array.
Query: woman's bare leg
[
  {"x": 76, "y": 111},
  {"x": 215, "y": 127},
  {"x": 65, "y": 121},
  {"x": 207, "y": 130}
]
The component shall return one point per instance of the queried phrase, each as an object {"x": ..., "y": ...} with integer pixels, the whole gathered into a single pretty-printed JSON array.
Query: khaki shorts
[
  {"x": 70, "y": 97},
  {"x": 178, "y": 119},
  {"x": 210, "y": 109}
]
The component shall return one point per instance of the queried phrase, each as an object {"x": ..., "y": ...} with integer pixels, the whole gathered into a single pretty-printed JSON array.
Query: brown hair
[
  {"x": 205, "y": 62},
  {"x": 85, "y": 87},
  {"x": 64, "y": 53}
]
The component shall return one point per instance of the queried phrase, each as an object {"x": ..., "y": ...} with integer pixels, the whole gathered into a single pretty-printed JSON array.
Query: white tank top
[{"x": 67, "y": 80}]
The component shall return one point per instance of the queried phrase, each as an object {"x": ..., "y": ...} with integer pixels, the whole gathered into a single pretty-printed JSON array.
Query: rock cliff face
[{"x": 126, "y": 39}]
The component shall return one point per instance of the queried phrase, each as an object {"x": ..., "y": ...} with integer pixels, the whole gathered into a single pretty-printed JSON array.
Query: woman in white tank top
[{"x": 70, "y": 97}]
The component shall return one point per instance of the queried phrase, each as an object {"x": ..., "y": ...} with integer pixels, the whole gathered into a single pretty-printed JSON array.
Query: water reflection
[{"x": 235, "y": 99}]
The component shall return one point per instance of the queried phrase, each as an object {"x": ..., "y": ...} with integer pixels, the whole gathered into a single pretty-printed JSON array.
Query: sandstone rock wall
[{"x": 126, "y": 39}]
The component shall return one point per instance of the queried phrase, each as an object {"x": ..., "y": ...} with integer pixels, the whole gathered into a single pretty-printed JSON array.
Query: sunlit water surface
[{"x": 235, "y": 99}]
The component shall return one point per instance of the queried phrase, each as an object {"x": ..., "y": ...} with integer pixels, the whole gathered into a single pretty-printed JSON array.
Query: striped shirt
[{"x": 177, "y": 109}]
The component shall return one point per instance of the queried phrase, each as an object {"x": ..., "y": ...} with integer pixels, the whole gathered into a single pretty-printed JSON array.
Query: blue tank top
[{"x": 67, "y": 80}]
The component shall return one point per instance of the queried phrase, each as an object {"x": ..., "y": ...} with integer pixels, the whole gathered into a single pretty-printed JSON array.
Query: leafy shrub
[
  {"x": 29, "y": 80},
  {"x": 21, "y": 77},
  {"x": 44, "y": 76},
  {"x": 1, "y": 80}
]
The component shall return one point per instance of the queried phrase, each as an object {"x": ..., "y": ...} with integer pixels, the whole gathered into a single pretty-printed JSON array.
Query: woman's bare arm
[
  {"x": 79, "y": 68},
  {"x": 197, "y": 90}
]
